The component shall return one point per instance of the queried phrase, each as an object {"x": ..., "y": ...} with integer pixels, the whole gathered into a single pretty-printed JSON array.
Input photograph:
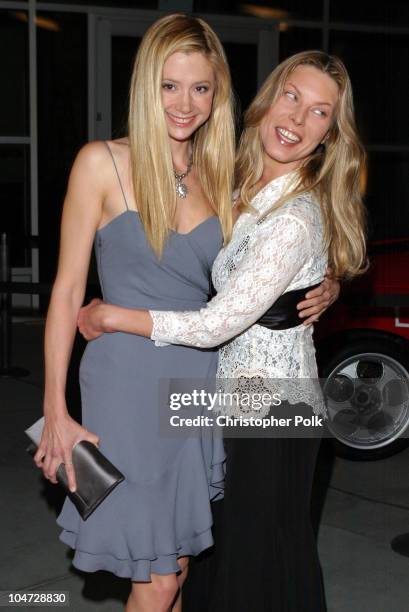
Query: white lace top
[{"x": 263, "y": 260}]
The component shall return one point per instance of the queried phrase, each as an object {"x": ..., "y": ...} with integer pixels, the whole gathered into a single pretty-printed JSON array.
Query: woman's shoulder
[
  {"x": 304, "y": 206},
  {"x": 97, "y": 151},
  {"x": 302, "y": 209},
  {"x": 92, "y": 155},
  {"x": 92, "y": 168},
  {"x": 302, "y": 200},
  {"x": 95, "y": 158},
  {"x": 305, "y": 210}
]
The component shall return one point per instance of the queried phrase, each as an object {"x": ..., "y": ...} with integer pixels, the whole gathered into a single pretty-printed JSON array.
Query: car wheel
[{"x": 366, "y": 385}]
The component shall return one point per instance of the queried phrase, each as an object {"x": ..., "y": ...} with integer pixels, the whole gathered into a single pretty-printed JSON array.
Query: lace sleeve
[{"x": 275, "y": 254}]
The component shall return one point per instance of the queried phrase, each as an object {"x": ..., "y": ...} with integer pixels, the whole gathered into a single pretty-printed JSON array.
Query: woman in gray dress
[
  {"x": 157, "y": 206},
  {"x": 155, "y": 247}
]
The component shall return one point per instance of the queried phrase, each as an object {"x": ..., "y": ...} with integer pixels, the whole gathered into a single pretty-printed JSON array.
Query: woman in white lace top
[
  {"x": 298, "y": 171},
  {"x": 263, "y": 260}
]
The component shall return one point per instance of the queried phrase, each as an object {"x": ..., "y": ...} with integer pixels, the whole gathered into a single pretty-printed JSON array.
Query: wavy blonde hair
[
  {"x": 333, "y": 171},
  {"x": 213, "y": 143}
]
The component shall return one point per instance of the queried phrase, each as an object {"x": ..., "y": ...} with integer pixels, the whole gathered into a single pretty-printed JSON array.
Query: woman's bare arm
[{"x": 81, "y": 215}]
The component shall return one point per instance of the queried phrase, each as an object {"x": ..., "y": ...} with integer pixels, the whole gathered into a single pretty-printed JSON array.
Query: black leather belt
[{"x": 283, "y": 314}]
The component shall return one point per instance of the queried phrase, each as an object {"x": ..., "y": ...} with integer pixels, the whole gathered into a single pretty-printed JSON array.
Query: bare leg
[
  {"x": 155, "y": 596},
  {"x": 184, "y": 566}
]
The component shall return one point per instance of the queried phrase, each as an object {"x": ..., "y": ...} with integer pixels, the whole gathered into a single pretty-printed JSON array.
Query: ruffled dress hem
[{"x": 138, "y": 570}]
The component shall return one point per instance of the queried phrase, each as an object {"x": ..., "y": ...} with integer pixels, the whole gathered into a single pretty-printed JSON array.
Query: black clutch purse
[{"x": 96, "y": 476}]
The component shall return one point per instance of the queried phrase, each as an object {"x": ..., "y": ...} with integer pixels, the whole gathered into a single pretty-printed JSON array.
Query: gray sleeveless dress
[{"x": 162, "y": 509}]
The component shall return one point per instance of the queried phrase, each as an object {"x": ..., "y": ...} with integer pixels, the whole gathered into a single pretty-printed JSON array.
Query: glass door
[
  {"x": 251, "y": 47},
  {"x": 18, "y": 212}
]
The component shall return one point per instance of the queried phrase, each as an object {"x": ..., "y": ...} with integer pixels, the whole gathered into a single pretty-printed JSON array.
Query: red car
[{"x": 363, "y": 354}]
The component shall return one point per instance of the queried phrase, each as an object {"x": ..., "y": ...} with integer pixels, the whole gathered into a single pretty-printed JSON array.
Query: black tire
[{"x": 381, "y": 435}]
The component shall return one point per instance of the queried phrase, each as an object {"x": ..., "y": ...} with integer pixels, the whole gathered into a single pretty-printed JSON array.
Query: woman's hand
[
  {"x": 98, "y": 318},
  {"x": 319, "y": 299},
  {"x": 91, "y": 319},
  {"x": 60, "y": 434}
]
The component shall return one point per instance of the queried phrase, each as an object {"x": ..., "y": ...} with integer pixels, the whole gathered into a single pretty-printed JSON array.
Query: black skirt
[{"x": 265, "y": 555}]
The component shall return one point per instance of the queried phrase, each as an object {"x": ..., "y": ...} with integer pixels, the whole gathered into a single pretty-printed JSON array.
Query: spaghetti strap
[{"x": 117, "y": 173}]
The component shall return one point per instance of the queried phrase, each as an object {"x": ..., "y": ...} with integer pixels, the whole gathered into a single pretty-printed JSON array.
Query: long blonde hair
[
  {"x": 213, "y": 143},
  {"x": 333, "y": 171}
]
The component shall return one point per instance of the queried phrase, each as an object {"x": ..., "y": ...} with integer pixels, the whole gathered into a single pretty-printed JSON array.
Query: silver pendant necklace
[{"x": 181, "y": 188}]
